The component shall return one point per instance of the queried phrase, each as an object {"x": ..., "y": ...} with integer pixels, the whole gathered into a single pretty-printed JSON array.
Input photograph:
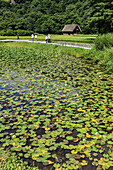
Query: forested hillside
[{"x": 50, "y": 16}]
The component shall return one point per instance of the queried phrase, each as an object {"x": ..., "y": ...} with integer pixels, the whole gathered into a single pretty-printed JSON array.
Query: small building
[
  {"x": 12, "y": 1},
  {"x": 71, "y": 29}
]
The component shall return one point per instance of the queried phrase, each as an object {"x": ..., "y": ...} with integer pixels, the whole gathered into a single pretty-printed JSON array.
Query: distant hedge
[{"x": 11, "y": 32}]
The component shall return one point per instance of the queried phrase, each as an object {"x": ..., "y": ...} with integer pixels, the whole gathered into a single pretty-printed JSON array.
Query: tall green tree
[
  {"x": 50, "y": 16},
  {"x": 102, "y": 16}
]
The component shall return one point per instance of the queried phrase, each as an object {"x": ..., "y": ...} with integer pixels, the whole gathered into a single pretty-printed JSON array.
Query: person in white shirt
[
  {"x": 46, "y": 38},
  {"x": 32, "y": 37},
  {"x": 36, "y": 37}
]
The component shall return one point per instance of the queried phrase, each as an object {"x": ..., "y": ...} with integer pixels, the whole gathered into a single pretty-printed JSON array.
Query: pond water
[
  {"x": 42, "y": 120},
  {"x": 21, "y": 95}
]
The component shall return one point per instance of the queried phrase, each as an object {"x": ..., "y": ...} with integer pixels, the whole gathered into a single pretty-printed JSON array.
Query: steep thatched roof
[
  {"x": 70, "y": 28},
  {"x": 12, "y": 1}
]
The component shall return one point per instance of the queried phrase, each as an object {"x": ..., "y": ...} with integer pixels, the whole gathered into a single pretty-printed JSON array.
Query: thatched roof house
[
  {"x": 71, "y": 29},
  {"x": 12, "y": 1}
]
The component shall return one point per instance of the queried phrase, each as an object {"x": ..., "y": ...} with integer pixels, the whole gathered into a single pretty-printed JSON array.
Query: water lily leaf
[
  {"x": 69, "y": 137},
  {"x": 26, "y": 155},
  {"x": 83, "y": 162},
  {"x": 110, "y": 142}
]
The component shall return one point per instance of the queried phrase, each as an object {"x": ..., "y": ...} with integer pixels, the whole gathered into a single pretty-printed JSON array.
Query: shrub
[
  {"x": 11, "y": 32},
  {"x": 104, "y": 41},
  {"x": 8, "y": 32},
  {"x": 102, "y": 52},
  {"x": 24, "y": 32},
  {"x": 104, "y": 59},
  {"x": 2, "y": 32},
  {"x": 108, "y": 57}
]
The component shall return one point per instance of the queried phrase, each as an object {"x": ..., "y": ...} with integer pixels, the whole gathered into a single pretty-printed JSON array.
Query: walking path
[{"x": 85, "y": 46}]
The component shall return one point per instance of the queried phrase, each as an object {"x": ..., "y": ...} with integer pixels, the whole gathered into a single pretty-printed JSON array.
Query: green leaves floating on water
[{"x": 55, "y": 106}]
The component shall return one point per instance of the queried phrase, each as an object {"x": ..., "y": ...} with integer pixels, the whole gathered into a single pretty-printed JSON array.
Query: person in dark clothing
[
  {"x": 49, "y": 38},
  {"x": 17, "y": 36},
  {"x": 46, "y": 39}
]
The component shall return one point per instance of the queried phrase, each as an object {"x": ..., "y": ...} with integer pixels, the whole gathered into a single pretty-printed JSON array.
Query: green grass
[
  {"x": 79, "y": 38},
  {"x": 15, "y": 37},
  {"x": 63, "y": 49}
]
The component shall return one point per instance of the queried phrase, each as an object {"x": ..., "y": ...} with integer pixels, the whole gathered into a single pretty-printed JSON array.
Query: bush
[
  {"x": 24, "y": 32},
  {"x": 2, "y": 32},
  {"x": 102, "y": 52},
  {"x": 108, "y": 57},
  {"x": 104, "y": 41},
  {"x": 104, "y": 59},
  {"x": 11, "y": 32},
  {"x": 8, "y": 32}
]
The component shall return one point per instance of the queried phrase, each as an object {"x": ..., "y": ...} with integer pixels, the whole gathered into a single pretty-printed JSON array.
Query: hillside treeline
[{"x": 50, "y": 16}]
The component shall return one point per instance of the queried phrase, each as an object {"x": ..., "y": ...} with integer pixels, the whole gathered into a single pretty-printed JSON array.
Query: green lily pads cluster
[{"x": 56, "y": 110}]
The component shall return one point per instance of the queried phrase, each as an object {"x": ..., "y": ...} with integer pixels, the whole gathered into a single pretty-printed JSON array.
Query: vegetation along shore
[{"x": 56, "y": 108}]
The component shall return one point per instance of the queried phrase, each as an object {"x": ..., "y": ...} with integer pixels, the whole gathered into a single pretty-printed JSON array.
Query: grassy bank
[
  {"x": 63, "y": 49},
  {"x": 80, "y": 38},
  {"x": 102, "y": 52}
]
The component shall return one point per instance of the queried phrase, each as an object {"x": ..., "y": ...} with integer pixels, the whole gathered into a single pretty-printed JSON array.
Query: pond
[
  {"x": 36, "y": 108},
  {"x": 58, "y": 114}
]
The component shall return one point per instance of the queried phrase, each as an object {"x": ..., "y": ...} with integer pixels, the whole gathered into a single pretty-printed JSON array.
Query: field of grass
[
  {"x": 62, "y": 49},
  {"x": 80, "y": 38},
  {"x": 55, "y": 109}
]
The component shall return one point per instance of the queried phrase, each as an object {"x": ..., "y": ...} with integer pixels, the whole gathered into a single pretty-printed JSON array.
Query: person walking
[
  {"x": 35, "y": 37},
  {"x": 49, "y": 38},
  {"x": 32, "y": 37},
  {"x": 46, "y": 38},
  {"x": 17, "y": 36}
]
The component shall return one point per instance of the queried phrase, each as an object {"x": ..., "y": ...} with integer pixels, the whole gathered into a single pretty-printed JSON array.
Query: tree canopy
[{"x": 50, "y": 16}]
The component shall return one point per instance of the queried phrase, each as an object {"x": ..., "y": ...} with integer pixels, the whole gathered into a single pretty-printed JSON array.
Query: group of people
[
  {"x": 48, "y": 38},
  {"x": 32, "y": 37}
]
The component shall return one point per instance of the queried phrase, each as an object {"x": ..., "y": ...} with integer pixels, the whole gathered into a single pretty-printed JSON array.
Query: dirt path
[{"x": 85, "y": 46}]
